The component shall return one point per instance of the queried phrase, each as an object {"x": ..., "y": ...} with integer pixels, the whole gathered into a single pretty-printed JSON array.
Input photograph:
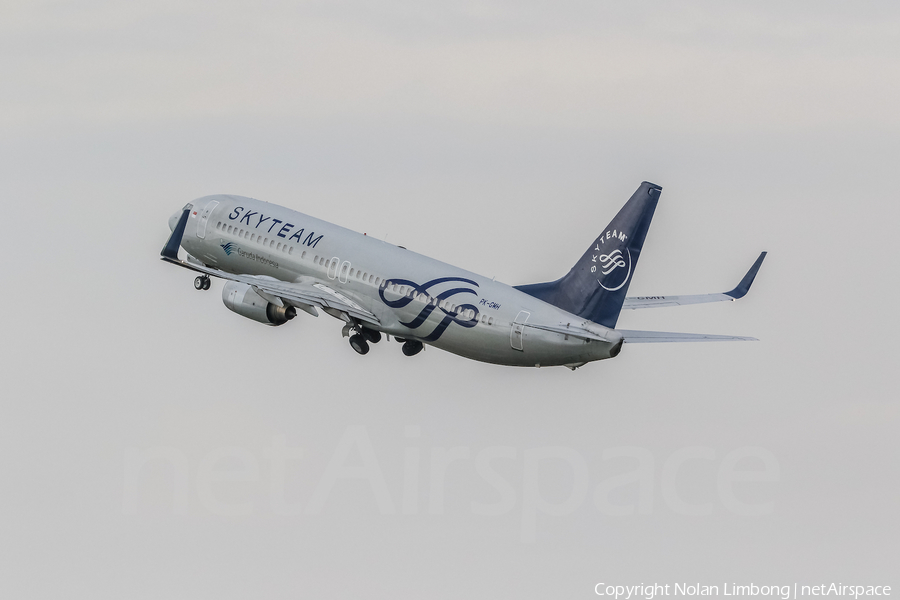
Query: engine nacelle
[{"x": 240, "y": 298}]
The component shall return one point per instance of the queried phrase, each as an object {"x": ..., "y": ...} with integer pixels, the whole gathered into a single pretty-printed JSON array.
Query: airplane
[{"x": 276, "y": 261}]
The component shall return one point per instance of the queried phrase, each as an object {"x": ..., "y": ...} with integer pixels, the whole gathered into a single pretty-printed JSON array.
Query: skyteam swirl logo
[
  {"x": 434, "y": 303},
  {"x": 612, "y": 268},
  {"x": 612, "y": 261},
  {"x": 229, "y": 248}
]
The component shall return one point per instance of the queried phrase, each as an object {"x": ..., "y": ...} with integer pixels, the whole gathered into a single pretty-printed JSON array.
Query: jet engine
[{"x": 240, "y": 298}]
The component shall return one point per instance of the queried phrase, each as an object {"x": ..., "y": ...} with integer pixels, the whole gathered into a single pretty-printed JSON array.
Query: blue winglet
[
  {"x": 170, "y": 250},
  {"x": 744, "y": 286}
]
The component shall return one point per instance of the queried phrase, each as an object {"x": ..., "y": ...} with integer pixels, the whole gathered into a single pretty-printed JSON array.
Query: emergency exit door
[{"x": 517, "y": 333}]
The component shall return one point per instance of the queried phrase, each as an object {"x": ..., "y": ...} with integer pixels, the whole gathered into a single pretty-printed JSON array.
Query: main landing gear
[
  {"x": 410, "y": 347},
  {"x": 359, "y": 343},
  {"x": 362, "y": 338},
  {"x": 202, "y": 283}
]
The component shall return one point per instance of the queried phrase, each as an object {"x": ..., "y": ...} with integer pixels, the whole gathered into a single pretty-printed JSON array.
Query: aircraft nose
[{"x": 173, "y": 220}]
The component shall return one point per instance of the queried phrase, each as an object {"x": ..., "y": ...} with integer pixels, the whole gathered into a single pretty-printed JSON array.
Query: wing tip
[
  {"x": 170, "y": 250},
  {"x": 744, "y": 286}
]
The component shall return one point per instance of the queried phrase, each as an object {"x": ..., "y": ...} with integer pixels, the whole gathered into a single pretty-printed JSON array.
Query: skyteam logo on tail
[
  {"x": 612, "y": 261},
  {"x": 229, "y": 248}
]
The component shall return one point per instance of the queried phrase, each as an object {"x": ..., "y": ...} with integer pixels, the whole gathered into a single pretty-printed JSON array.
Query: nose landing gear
[{"x": 201, "y": 283}]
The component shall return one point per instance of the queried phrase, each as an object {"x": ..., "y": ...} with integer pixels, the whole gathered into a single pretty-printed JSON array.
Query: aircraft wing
[
  {"x": 645, "y": 337},
  {"x": 659, "y": 301},
  {"x": 304, "y": 295}
]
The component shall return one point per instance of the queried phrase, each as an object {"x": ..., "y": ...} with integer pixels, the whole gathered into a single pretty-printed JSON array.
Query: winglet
[
  {"x": 170, "y": 250},
  {"x": 744, "y": 286}
]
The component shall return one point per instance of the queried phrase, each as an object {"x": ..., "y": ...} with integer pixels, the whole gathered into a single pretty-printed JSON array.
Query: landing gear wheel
[
  {"x": 358, "y": 343},
  {"x": 201, "y": 283},
  {"x": 206, "y": 283},
  {"x": 411, "y": 348},
  {"x": 372, "y": 336}
]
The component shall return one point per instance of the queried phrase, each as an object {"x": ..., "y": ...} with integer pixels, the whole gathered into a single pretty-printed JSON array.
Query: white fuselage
[{"x": 469, "y": 315}]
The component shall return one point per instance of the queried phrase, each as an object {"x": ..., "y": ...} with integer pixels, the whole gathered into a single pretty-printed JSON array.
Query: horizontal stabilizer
[
  {"x": 660, "y": 301},
  {"x": 651, "y": 337}
]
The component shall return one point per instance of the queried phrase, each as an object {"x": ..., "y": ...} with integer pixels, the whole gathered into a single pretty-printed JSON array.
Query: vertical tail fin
[{"x": 595, "y": 287}]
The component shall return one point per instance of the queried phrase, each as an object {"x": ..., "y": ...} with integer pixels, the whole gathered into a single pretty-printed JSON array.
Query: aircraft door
[
  {"x": 517, "y": 333},
  {"x": 204, "y": 218}
]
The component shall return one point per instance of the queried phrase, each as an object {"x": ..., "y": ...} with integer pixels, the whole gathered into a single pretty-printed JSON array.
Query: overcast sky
[{"x": 155, "y": 445}]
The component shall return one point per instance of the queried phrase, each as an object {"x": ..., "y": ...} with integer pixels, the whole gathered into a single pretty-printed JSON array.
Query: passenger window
[
  {"x": 278, "y": 247},
  {"x": 219, "y": 225},
  {"x": 351, "y": 272},
  {"x": 229, "y": 229},
  {"x": 291, "y": 250},
  {"x": 303, "y": 255}
]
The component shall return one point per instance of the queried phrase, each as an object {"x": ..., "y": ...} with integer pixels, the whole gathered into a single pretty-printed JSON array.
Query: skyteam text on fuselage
[{"x": 276, "y": 261}]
